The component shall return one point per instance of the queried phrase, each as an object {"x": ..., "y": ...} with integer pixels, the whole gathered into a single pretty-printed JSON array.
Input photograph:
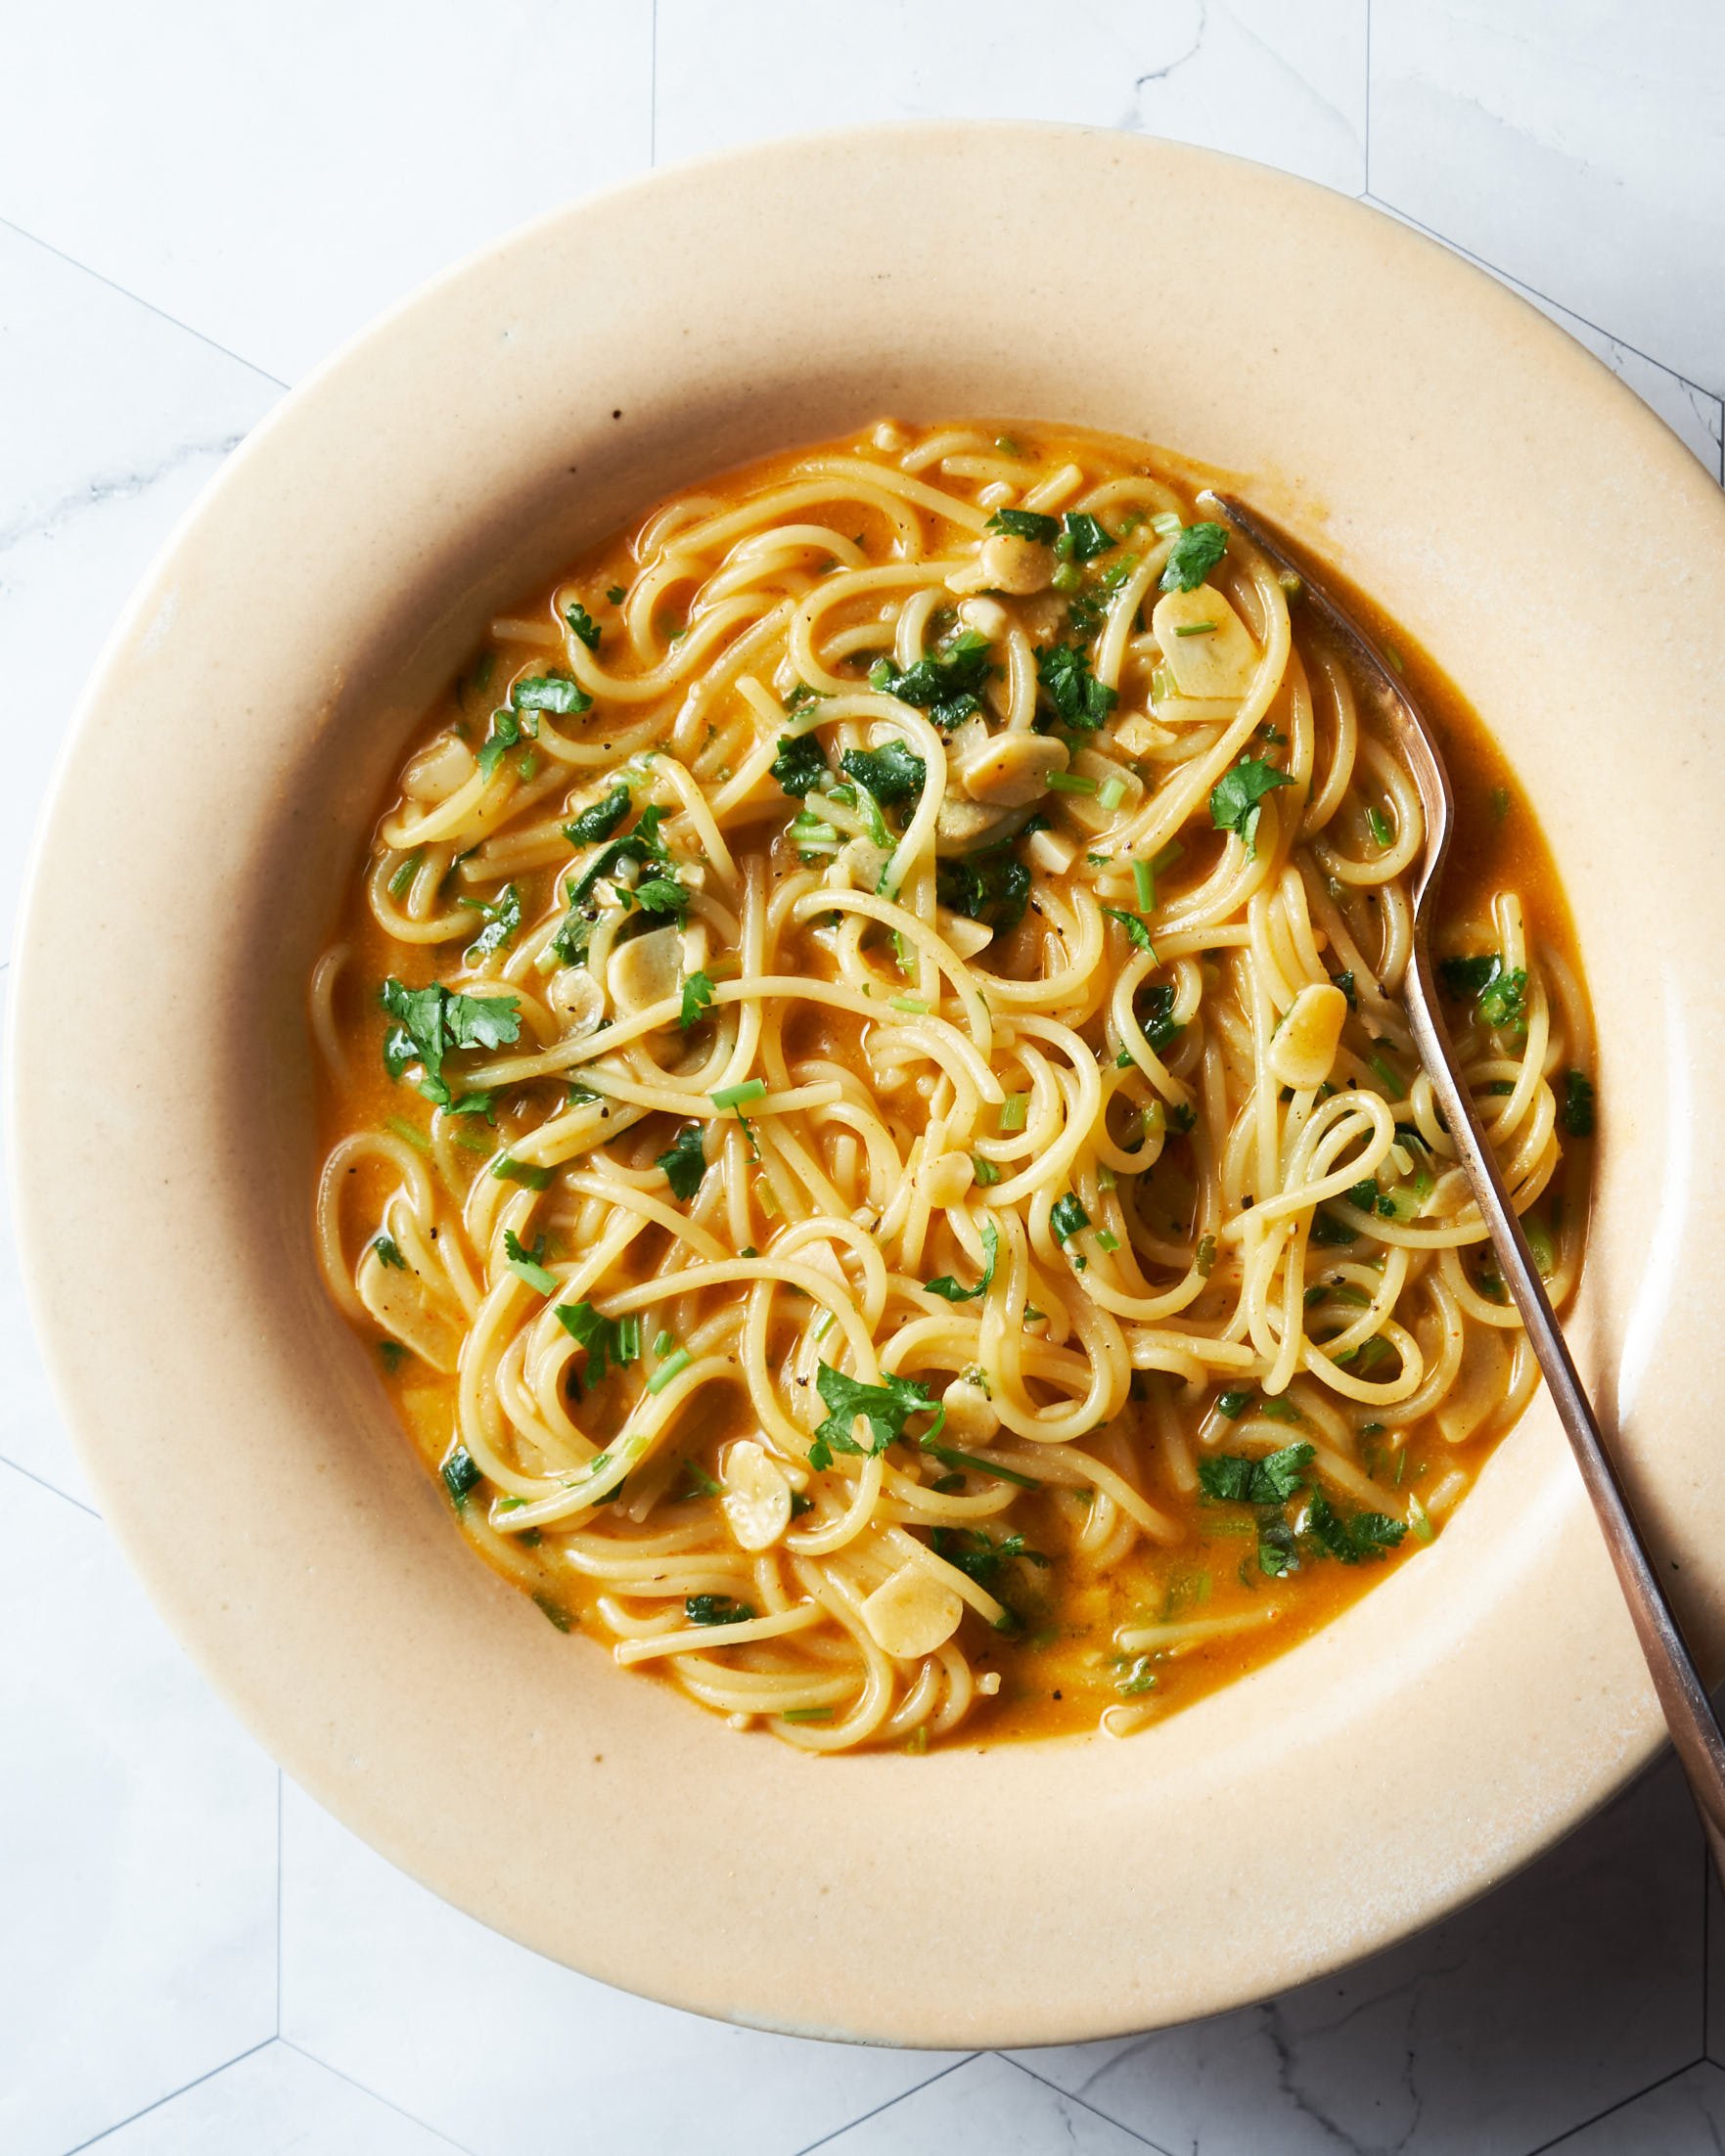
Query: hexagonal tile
[
  {"x": 1683, "y": 2116},
  {"x": 139, "y": 1823},
  {"x": 987, "y": 2107},
  {"x": 274, "y": 2102},
  {"x": 505, "y": 2051},
  {"x": 273, "y": 178},
  {"x": 1568, "y": 1988}
]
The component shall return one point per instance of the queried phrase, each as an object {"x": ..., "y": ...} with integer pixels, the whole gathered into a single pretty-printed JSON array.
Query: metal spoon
[{"x": 1683, "y": 1698}]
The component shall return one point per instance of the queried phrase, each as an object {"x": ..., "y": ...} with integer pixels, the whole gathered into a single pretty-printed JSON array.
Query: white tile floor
[{"x": 195, "y": 203}]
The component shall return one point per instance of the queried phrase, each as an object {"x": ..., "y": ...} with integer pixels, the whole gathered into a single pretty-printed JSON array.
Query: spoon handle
[{"x": 1695, "y": 1728}]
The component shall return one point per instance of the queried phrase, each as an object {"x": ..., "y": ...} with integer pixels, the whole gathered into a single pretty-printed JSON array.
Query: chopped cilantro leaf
[
  {"x": 800, "y": 766},
  {"x": 1087, "y": 536},
  {"x": 431, "y": 1021},
  {"x": 885, "y": 1408},
  {"x": 1236, "y": 797},
  {"x": 388, "y": 1252},
  {"x": 716, "y": 1609},
  {"x": 610, "y": 1342},
  {"x": 552, "y": 691},
  {"x": 1068, "y": 1218},
  {"x": 684, "y": 1161},
  {"x": 1162, "y": 1029},
  {"x": 697, "y": 995},
  {"x": 582, "y": 624},
  {"x": 1193, "y": 556},
  {"x": 1137, "y": 929},
  {"x": 460, "y": 1475},
  {"x": 892, "y": 773},
  {"x": 600, "y": 821},
  {"x": 948, "y": 1289},
  {"x": 1063, "y": 675},
  {"x": 1025, "y": 523},
  {"x": 1234, "y": 1479},
  {"x": 946, "y": 685}
]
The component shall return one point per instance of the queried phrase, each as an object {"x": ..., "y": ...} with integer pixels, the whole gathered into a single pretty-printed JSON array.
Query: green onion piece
[
  {"x": 733, "y": 1097},
  {"x": 807, "y": 1714},
  {"x": 912, "y": 1006},
  {"x": 673, "y": 1366},
  {"x": 1389, "y": 1076},
  {"x": 1195, "y": 628},
  {"x": 1166, "y": 525},
  {"x": 662, "y": 1343},
  {"x": 1107, "y": 1240},
  {"x": 1144, "y": 883},
  {"x": 1205, "y": 1257},
  {"x": 1162, "y": 685},
  {"x": 1539, "y": 1241},
  {"x": 409, "y": 1133},
  {"x": 1379, "y": 826},
  {"x": 405, "y": 873},
  {"x": 1420, "y": 1520},
  {"x": 1113, "y": 793},
  {"x": 1067, "y": 577},
  {"x": 986, "y": 1170},
  {"x": 1071, "y": 781},
  {"x": 511, "y": 1170},
  {"x": 1015, "y": 1111}
]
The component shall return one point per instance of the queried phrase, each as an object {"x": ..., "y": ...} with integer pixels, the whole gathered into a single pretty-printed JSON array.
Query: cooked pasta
[{"x": 890, "y": 1177}]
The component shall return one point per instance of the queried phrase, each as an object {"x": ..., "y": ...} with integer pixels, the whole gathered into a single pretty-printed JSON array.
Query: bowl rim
[{"x": 1611, "y": 1734}]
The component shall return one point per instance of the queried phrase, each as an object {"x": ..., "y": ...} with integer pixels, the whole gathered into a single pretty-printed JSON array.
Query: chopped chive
[
  {"x": 1379, "y": 826},
  {"x": 949, "y": 1455},
  {"x": 409, "y": 1132},
  {"x": 733, "y": 1097},
  {"x": 1112, "y": 793},
  {"x": 1107, "y": 1240},
  {"x": 1386, "y": 1071},
  {"x": 1015, "y": 1111},
  {"x": 807, "y": 1714},
  {"x": 1071, "y": 781},
  {"x": 1144, "y": 883},
  {"x": 662, "y": 1343},
  {"x": 912, "y": 1006},
  {"x": 1195, "y": 628},
  {"x": 673, "y": 1366}
]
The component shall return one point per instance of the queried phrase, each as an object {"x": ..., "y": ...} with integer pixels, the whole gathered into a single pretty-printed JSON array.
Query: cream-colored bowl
[{"x": 1506, "y": 499}]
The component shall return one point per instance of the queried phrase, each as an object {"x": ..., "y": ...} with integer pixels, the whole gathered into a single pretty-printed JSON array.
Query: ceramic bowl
[{"x": 1503, "y": 496}]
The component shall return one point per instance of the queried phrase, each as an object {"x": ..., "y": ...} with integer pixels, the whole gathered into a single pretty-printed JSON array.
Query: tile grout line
[
  {"x": 1368, "y": 127},
  {"x": 52, "y": 1489},
  {"x": 1084, "y": 2104},
  {"x": 173, "y": 2095},
  {"x": 1383, "y": 202},
  {"x": 903, "y": 2096},
  {"x": 48, "y": 247},
  {"x": 401, "y": 2112},
  {"x": 1623, "y": 2103}
]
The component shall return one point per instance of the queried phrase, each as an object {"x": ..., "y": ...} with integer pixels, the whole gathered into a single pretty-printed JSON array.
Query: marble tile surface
[{"x": 195, "y": 204}]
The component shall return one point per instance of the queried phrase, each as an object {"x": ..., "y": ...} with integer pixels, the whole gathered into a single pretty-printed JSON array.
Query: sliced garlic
[
  {"x": 756, "y": 1501},
  {"x": 1051, "y": 851},
  {"x": 1215, "y": 661},
  {"x": 911, "y": 1614},
  {"x": 644, "y": 970},
  {"x": 944, "y": 1180},
  {"x": 970, "y": 1417},
  {"x": 1304, "y": 1045},
  {"x": 1137, "y": 734},
  {"x": 1012, "y": 564},
  {"x": 396, "y": 1298},
  {"x": 576, "y": 998},
  {"x": 1009, "y": 770},
  {"x": 437, "y": 772},
  {"x": 966, "y": 937}
]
